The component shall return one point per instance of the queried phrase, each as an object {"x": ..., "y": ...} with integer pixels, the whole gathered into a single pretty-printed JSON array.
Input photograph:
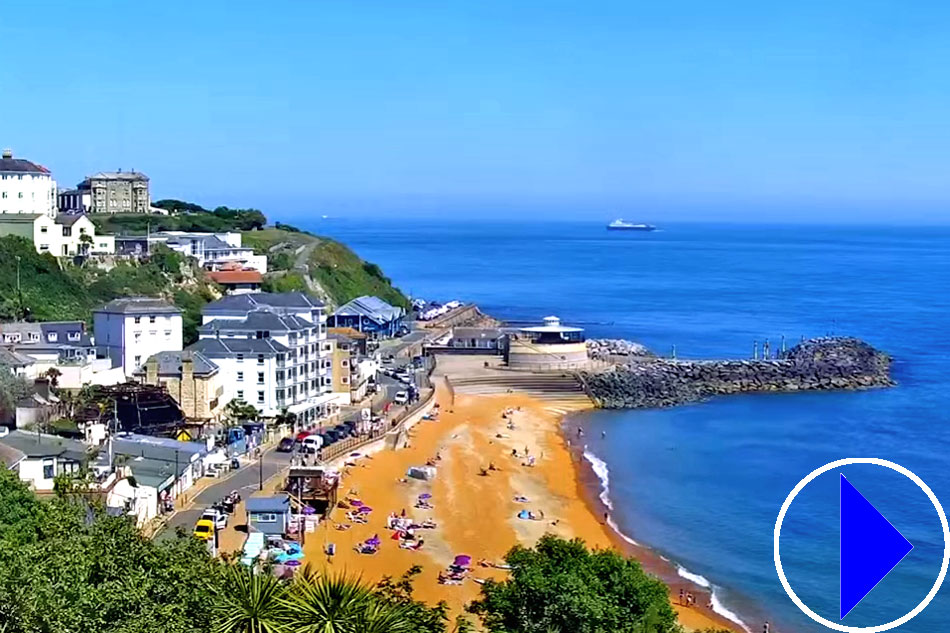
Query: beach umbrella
[
  {"x": 374, "y": 540},
  {"x": 462, "y": 560},
  {"x": 396, "y": 535},
  {"x": 309, "y": 510},
  {"x": 365, "y": 509},
  {"x": 292, "y": 563},
  {"x": 425, "y": 495},
  {"x": 356, "y": 502},
  {"x": 355, "y": 454}
]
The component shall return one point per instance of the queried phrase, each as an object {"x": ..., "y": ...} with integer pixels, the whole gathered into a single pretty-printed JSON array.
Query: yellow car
[{"x": 204, "y": 529}]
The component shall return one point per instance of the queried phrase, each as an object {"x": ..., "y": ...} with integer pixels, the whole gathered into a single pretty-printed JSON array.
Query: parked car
[
  {"x": 312, "y": 443},
  {"x": 204, "y": 529},
  {"x": 218, "y": 518},
  {"x": 401, "y": 397},
  {"x": 285, "y": 445},
  {"x": 404, "y": 376}
]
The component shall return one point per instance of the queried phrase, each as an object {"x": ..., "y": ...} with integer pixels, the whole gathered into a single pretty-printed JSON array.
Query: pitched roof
[
  {"x": 241, "y": 304},
  {"x": 63, "y": 330},
  {"x": 20, "y": 217},
  {"x": 68, "y": 219},
  {"x": 372, "y": 308},
  {"x": 476, "y": 332},
  {"x": 225, "y": 277},
  {"x": 10, "y": 358},
  {"x": 223, "y": 347},
  {"x": 347, "y": 332},
  {"x": 19, "y": 165},
  {"x": 139, "y": 305},
  {"x": 257, "y": 320},
  {"x": 170, "y": 363},
  {"x": 43, "y": 445},
  {"x": 10, "y": 456}
]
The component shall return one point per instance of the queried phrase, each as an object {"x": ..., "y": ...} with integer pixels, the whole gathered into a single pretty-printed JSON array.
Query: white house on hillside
[
  {"x": 130, "y": 330},
  {"x": 63, "y": 235},
  {"x": 25, "y": 187}
]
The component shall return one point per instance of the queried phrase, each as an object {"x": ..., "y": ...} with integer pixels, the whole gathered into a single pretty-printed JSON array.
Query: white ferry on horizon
[{"x": 621, "y": 225}]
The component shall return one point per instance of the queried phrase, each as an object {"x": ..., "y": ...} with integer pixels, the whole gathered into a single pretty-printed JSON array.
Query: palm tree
[
  {"x": 249, "y": 602},
  {"x": 339, "y": 604}
]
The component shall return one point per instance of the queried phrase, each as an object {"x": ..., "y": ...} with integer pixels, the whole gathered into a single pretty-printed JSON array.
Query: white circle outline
[{"x": 943, "y": 567}]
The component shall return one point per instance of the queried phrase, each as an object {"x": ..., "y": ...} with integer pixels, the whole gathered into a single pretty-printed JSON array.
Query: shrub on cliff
[{"x": 563, "y": 586}]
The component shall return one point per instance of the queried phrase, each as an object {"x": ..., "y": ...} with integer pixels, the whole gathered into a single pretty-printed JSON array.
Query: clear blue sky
[{"x": 662, "y": 110}]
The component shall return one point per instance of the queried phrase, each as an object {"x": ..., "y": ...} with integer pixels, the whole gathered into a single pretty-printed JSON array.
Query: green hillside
[{"x": 339, "y": 272}]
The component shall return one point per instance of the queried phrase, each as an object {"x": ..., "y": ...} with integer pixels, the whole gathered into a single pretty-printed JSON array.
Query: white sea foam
[
  {"x": 719, "y": 608},
  {"x": 693, "y": 578},
  {"x": 600, "y": 469}
]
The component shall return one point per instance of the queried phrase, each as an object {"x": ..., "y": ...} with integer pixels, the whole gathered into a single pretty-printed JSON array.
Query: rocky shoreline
[{"x": 817, "y": 364}]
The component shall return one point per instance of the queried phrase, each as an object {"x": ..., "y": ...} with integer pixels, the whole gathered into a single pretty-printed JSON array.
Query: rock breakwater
[
  {"x": 616, "y": 349},
  {"x": 816, "y": 364}
]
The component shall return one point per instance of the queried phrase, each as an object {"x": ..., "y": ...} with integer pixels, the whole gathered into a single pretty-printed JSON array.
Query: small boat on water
[{"x": 621, "y": 225}]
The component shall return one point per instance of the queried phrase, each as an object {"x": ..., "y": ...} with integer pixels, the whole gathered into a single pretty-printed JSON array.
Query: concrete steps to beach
[{"x": 556, "y": 390}]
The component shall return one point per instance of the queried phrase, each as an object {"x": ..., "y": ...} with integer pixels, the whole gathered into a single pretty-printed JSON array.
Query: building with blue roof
[{"x": 369, "y": 315}]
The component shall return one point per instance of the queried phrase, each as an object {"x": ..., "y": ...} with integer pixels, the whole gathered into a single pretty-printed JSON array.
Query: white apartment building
[
  {"x": 25, "y": 187},
  {"x": 130, "y": 330},
  {"x": 61, "y": 235},
  {"x": 273, "y": 350}
]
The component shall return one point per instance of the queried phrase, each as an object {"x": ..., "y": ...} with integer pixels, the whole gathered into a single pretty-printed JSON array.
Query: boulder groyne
[{"x": 817, "y": 364}]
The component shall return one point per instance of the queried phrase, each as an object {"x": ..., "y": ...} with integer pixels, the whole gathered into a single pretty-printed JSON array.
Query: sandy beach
[{"x": 476, "y": 514}]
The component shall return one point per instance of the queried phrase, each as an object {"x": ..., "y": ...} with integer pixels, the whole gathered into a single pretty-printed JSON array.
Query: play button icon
[{"x": 870, "y": 547}]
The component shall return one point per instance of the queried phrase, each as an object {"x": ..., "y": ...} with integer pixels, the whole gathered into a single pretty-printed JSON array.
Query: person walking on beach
[{"x": 681, "y": 595}]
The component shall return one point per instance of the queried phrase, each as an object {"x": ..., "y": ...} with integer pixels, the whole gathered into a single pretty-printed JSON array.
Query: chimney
[
  {"x": 8, "y": 153},
  {"x": 151, "y": 371}
]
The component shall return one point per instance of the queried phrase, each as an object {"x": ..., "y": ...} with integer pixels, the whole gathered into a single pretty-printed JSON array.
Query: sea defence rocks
[
  {"x": 616, "y": 349},
  {"x": 823, "y": 363}
]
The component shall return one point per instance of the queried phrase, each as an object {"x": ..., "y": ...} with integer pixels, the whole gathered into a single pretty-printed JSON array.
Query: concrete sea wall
[{"x": 817, "y": 364}]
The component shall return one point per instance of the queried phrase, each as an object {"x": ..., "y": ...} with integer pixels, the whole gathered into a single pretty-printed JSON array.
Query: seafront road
[{"x": 245, "y": 481}]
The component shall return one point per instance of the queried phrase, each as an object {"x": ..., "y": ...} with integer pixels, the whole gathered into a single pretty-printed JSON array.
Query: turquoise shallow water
[{"x": 703, "y": 484}]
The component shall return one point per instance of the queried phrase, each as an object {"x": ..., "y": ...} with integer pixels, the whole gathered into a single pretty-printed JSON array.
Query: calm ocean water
[{"x": 703, "y": 484}]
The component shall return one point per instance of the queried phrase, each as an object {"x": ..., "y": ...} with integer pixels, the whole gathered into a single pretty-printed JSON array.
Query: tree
[
  {"x": 238, "y": 411},
  {"x": 249, "y": 601},
  {"x": 12, "y": 389},
  {"x": 53, "y": 374},
  {"x": 85, "y": 243},
  {"x": 65, "y": 565},
  {"x": 562, "y": 586},
  {"x": 341, "y": 604}
]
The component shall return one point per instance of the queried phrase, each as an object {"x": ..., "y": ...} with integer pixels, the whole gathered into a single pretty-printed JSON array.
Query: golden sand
[{"x": 475, "y": 514}]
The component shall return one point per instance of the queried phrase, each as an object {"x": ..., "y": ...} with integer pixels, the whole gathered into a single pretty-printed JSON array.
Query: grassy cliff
[{"x": 301, "y": 260}]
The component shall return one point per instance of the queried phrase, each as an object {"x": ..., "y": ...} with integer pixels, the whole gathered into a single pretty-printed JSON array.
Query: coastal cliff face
[{"x": 817, "y": 364}]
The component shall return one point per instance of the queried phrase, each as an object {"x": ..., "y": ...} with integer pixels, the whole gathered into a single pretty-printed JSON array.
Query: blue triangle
[{"x": 870, "y": 547}]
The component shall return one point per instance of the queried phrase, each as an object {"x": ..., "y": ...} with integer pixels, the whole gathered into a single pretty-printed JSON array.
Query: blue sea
[{"x": 703, "y": 484}]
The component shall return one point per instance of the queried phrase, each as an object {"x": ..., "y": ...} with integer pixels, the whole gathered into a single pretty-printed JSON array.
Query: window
[
  {"x": 43, "y": 229},
  {"x": 151, "y": 319},
  {"x": 240, "y": 376},
  {"x": 73, "y": 336},
  {"x": 67, "y": 231},
  {"x": 240, "y": 358},
  {"x": 266, "y": 517},
  {"x": 168, "y": 334},
  {"x": 49, "y": 468},
  {"x": 44, "y": 248},
  {"x": 137, "y": 360},
  {"x": 240, "y": 394},
  {"x": 137, "y": 320},
  {"x": 52, "y": 336},
  {"x": 280, "y": 394},
  {"x": 260, "y": 378},
  {"x": 345, "y": 380},
  {"x": 260, "y": 397},
  {"x": 153, "y": 332},
  {"x": 138, "y": 336},
  {"x": 260, "y": 359}
]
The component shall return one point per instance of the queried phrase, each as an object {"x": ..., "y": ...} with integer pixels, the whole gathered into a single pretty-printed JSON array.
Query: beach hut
[{"x": 270, "y": 515}]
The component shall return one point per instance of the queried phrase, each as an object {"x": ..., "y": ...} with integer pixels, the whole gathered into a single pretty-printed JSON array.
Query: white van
[{"x": 312, "y": 443}]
